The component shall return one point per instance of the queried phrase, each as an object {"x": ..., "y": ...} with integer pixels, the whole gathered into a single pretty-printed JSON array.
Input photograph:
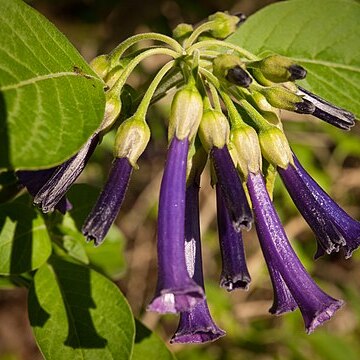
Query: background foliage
[{"x": 128, "y": 254}]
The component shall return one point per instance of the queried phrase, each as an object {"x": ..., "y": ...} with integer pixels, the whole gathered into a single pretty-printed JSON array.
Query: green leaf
[
  {"x": 50, "y": 99},
  {"x": 109, "y": 257},
  {"x": 321, "y": 35},
  {"x": 148, "y": 345},
  {"x": 76, "y": 313},
  {"x": 24, "y": 241}
]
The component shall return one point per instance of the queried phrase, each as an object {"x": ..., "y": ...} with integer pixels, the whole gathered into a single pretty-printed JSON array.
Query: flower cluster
[{"x": 226, "y": 110}]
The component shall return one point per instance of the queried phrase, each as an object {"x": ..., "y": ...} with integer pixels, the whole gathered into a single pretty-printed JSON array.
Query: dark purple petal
[
  {"x": 176, "y": 291},
  {"x": 64, "y": 176},
  {"x": 195, "y": 325},
  {"x": 234, "y": 272},
  {"x": 328, "y": 112},
  {"x": 283, "y": 300},
  {"x": 35, "y": 180},
  {"x": 109, "y": 202},
  {"x": 231, "y": 187},
  {"x": 328, "y": 237},
  {"x": 315, "y": 305},
  {"x": 345, "y": 224}
]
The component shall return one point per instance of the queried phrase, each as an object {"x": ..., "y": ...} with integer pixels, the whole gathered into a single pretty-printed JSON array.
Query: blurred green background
[{"x": 330, "y": 155}]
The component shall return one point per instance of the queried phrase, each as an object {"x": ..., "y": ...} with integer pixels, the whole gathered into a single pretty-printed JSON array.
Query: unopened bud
[
  {"x": 246, "y": 149},
  {"x": 224, "y": 26},
  {"x": 112, "y": 110},
  {"x": 231, "y": 68},
  {"x": 182, "y": 31},
  {"x": 238, "y": 76},
  {"x": 279, "y": 69},
  {"x": 100, "y": 65},
  {"x": 131, "y": 139},
  {"x": 214, "y": 130},
  {"x": 186, "y": 112},
  {"x": 275, "y": 147}
]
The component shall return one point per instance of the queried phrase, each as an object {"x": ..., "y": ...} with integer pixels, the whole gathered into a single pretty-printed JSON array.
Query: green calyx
[
  {"x": 275, "y": 147},
  {"x": 278, "y": 69},
  {"x": 100, "y": 65},
  {"x": 182, "y": 31},
  {"x": 223, "y": 24},
  {"x": 214, "y": 129},
  {"x": 186, "y": 113},
  {"x": 245, "y": 149},
  {"x": 131, "y": 139},
  {"x": 280, "y": 97}
]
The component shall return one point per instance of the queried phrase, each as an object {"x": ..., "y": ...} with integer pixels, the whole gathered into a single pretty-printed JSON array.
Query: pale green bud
[
  {"x": 112, "y": 110},
  {"x": 245, "y": 148},
  {"x": 275, "y": 147},
  {"x": 100, "y": 65},
  {"x": 186, "y": 112},
  {"x": 131, "y": 139},
  {"x": 279, "y": 69},
  {"x": 214, "y": 129},
  {"x": 113, "y": 75},
  {"x": 224, "y": 26},
  {"x": 182, "y": 31}
]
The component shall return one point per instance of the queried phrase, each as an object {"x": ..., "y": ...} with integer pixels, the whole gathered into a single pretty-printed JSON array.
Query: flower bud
[
  {"x": 112, "y": 110},
  {"x": 100, "y": 65},
  {"x": 279, "y": 69},
  {"x": 275, "y": 147},
  {"x": 131, "y": 139},
  {"x": 214, "y": 129},
  {"x": 224, "y": 26},
  {"x": 246, "y": 149},
  {"x": 232, "y": 69},
  {"x": 186, "y": 112},
  {"x": 284, "y": 99},
  {"x": 182, "y": 31}
]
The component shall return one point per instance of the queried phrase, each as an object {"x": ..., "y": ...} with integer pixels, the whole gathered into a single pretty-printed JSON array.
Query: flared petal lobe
[
  {"x": 329, "y": 238},
  {"x": 176, "y": 291},
  {"x": 231, "y": 187},
  {"x": 315, "y": 305},
  {"x": 195, "y": 325},
  {"x": 234, "y": 272},
  {"x": 109, "y": 202},
  {"x": 345, "y": 224},
  {"x": 64, "y": 176},
  {"x": 35, "y": 180}
]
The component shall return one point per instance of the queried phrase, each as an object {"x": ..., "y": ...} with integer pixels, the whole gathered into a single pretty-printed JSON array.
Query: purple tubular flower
[
  {"x": 328, "y": 236},
  {"x": 345, "y": 224},
  {"x": 315, "y": 305},
  {"x": 35, "y": 180},
  {"x": 232, "y": 189},
  {"x": 109, "y": 202},
  {"x": 176, "y": 291},
  {"x": 328, "y": 112},
  {"x": 63, "y": 177},
  {"x": 234, "y": 272},
  {"x": 195, "y": 325}
]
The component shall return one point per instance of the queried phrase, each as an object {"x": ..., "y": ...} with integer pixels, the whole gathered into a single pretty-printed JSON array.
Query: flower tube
[
  {"x": 195, "y": 325},
  {"x": 315, "y": 305},
  {"x": 234, "y": 272}
]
